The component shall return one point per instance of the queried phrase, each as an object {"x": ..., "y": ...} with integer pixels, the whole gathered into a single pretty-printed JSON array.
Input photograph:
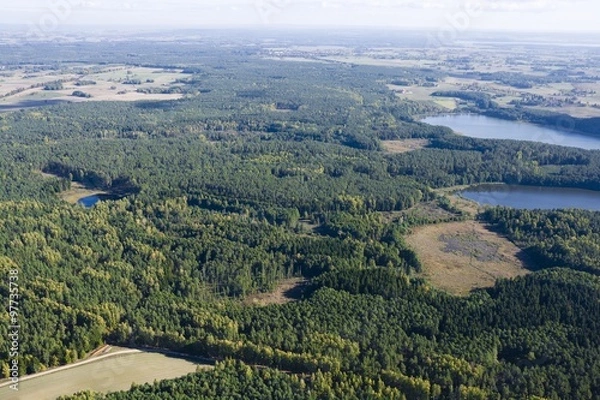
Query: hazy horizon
[{"x": 547, "y": 16}]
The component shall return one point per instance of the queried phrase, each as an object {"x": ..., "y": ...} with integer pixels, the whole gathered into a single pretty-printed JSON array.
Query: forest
[{"x": 268, "y": 170}]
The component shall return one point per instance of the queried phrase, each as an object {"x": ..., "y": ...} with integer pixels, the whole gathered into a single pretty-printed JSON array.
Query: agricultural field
[
  {"x": 421, "y": 93},
  {"x": 574, "y": 93},
  {"x": 28, "y": 86},
  {"x": 461, "y": 256},
  {"x": 112, "y": 372}
]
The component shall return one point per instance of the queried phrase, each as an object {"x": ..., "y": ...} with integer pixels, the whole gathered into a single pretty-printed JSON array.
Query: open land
[
  {"x": 25, "y": 87},
  {"x": 111, "y": 372},
  {"x": 285, "y": 292},
  {"x": 461, "y": 256},
  {"x": 456, "y": 200},
  {"x": 425, "y": 213},
  {"x": 404, "y": 145},
  {"x": 78, "y": 192},
  {"x": 575, "y": 93}
]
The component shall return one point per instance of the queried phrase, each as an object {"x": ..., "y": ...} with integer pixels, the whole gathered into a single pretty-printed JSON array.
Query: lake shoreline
[
  {"x": 78, "y": 193},
  {"x": 481, "y": 126},
  {"x": 531, "y": 197}
]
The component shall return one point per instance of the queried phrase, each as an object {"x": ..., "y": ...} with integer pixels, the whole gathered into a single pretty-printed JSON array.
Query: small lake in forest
[
  {"x": 482, "y": 127},
  {"x": 89, "y": 201}
]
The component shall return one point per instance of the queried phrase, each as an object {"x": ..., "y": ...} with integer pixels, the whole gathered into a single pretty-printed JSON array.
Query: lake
[
  {"x": 533, "y": 197},
  {"x": 482, "y": 127},
  {"x": 89, "y": 201}
]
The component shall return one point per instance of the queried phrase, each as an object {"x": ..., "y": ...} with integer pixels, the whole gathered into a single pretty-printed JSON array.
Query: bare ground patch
[
  {"x": 404, "y": 145},
  {"x": 78, "y": 192},
  {"x": 461, "y": 256},
  {"x": 466, "y": 205},
  {"x": 462, "y": 203},
  {"x": 288, "y": 290},
  {"x": 420, "y": 214}
]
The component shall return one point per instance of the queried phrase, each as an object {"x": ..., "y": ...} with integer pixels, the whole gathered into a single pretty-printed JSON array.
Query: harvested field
[
  {"x": 22, "y": 90},
  {"x": 404, "y": 145},
  {"x": 109, "y": 374},
  {"x": 461, "y": 256}
]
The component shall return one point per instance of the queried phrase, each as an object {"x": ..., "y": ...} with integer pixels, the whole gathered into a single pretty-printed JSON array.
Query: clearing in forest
[
  {"x": 78, "y": 192},
  {"x": 461, "y": 256},
  {"x": 288, "y": 290},
  {"x": 422, "y": 213},
  {"x": 404, "y": 145}
]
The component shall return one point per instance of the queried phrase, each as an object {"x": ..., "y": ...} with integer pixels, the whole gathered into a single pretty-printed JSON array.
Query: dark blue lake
[{"x": 533, "y": 197}]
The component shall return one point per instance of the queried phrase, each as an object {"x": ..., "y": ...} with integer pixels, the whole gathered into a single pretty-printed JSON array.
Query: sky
[{"x": 462, "y": 15}]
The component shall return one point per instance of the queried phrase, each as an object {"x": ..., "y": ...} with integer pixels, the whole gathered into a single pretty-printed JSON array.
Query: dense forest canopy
[{"x": 266, "y": 170}]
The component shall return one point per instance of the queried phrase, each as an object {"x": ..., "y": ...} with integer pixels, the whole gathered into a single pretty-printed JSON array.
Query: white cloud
[
  {"x": 490, "y": 5},
  {"x": 504, "y": 14},
  {"x": 184, "y": 5},
  {"x": 524, "y": 5}
]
